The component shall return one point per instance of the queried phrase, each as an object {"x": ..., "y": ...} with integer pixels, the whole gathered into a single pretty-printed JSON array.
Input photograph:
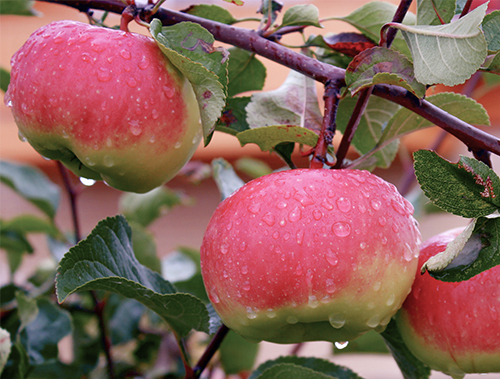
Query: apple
[
  {"x": 107, "y": 103},
  {"x": 453, "y": 327},
  {"x": 310, "y": 254}
]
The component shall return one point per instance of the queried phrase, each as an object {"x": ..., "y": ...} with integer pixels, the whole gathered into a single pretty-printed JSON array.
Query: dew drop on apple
[
  {"x": 295, "y": 214},
  {"x": 152, "y": 139},
  {"x": 177, "y": 145},
  {"x": 312, "y": 301},
  {"x": 332, "y": 257},
  {"x": 125, "y": 54},
  {"x": 382, "y": 220},
  {"x": 134, "y": 127},
  {"x": 246, "y": 286},
  {"x": 21, "y": 136},
  {"x": 131, "y": 82},
  {"x": 344, "y": 204},
  {"x": 300, "y": 237},
  {"x": 155, "y": 114},
  {"x": 169, "y": 92},
  {"x": 108, "y": 161},
  {"x": 292, "y": 320},
  {"x": 103, "y": 75},
  {"x": 243, "y": 246},
  {"x": 330, "y": 286},
  {"x": 376, "y": 204},
  {"x": 317, "y": 214},
  {"x": 376, "y": 286},
  {"x": 224, "y": 248},
  {"x": 341, "y": 229},
  {"x": 341, "y": 345},
  {"x": 89, "y": 161},
  {"x": 143, "y": 63},
  {"x": 87, "y": 182},
  {"x": 281, "y": 205},
  {"x": 269, "y": 219},
  {"x": 408, "y": 253},
  {"x": 213, "y": 296},
  {"x": 373, "y": 321},
  {"x": 254, "y": 208},
  {"x": 271, "y": 313},
  {"x": 337, "y": 320},
  {"x": 327, "y": 205}
]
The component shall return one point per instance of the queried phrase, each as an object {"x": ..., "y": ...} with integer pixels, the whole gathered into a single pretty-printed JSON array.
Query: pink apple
[
  {"x": 310, "y": 254},
  {"x": 106, "y": 103},
  {"x": 453, "y": 327}
]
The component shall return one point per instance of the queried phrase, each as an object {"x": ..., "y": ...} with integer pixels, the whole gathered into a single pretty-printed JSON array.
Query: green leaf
[
  {"x": 182, "y": 268},
  {"x": 370, "y": 18},
  {"x": 448, "y": 54},
  {"x": 30, "y": 224},
  {"x": 32, "y": 185},
  {"x": 426, "y": 14},
  {"x": 253, "y": 167},
  {"x": 4, "y": 79},
  {"x": 27, "y": 309},
  {"x": 42, "y": 335},
  {"x": 190, "y": 48},
  {"x": 18, "y": 7},
  {"x": 212, "y": 12},
  {"x": 314, "y": 366},
  {"x": 234, "y": 116},
  {"x": 237, "y": 355},
  {"x": 304, "y": 14},
  {"x": 479, "y": 253},
  {"x": 491, "y": 30},
  {"x": 226, "y": 179},
  {"x": 405, "y": 121},
  {"x": 410, "y": 366},
  {"x": 57, "y": 369},
  {"x": 5, "y": 348},
  {"x": 105, "y": 261},
  {"x": 144, "y": 246},
  {"x": 381, "y": 65},
  {"x": 493, "y": 66},
  {"x": 245, "y": 72},
  {"x": 370, "y": 342},
  {"x": 124, "y": 318},
  {"x": 270, "y": 136},
  {"x": 370, "y": 129},
  {"x": 17, "y": 366},
  {"x": 295, "y": 102},
  {"x": 146, "y": 207},
  {"x": 468, "y": 188}
]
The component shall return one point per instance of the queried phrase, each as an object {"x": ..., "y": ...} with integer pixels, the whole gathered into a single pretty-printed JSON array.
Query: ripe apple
[
  {"x": 310, "y": 254},
  {"x": 453, "y": 327},
  {"x": 108, "y": 104}
]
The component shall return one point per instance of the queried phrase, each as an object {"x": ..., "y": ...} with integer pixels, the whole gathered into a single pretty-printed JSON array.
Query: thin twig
[{"x": 209, "y": 351}]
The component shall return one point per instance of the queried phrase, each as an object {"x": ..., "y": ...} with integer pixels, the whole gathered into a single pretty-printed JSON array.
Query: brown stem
[
  {"x": 209, "y": 352},
  {"x": 73, "y": 194},
  {"x": 466, "y": 8},
  {"x": 331, "y": 97}
]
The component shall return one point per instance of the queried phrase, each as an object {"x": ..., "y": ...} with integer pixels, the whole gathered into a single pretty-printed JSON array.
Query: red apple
[
  {"x": 453, "y": 327},
  {"x": 106, "y": 103},
  {"x": 310, "y": 254}
]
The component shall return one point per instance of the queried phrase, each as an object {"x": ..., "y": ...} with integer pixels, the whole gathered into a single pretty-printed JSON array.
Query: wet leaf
[
  {"x": 304, "y": 14},
  {"x": 245, "y": 72},
  {"x": 270, "y": 136}
]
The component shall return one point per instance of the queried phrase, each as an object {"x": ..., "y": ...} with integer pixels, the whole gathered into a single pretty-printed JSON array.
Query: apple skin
[
  {"x": 310, "y": 254},
  {"x": 108, "y": 104},
  {"x": 453, "y": 327}
]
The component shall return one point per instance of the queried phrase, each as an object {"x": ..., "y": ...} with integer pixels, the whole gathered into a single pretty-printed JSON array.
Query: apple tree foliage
[{"x": 130, "y": 314}]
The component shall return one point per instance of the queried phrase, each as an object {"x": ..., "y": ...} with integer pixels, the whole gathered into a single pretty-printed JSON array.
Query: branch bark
[{"x": 474, "y": 138}]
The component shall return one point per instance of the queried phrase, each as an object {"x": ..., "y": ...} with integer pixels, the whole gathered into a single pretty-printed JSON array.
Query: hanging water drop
[
  {"x": 341, "y": 229},
  {"x": 337, "y": 320},
  {"x": 341, "y": 345},
  {"x": 344, "y": 204},
  {"x": 87, "y": 182}
]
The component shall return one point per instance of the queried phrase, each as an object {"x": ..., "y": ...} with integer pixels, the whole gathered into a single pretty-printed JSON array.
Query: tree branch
[{"x": 250, "y": 40}]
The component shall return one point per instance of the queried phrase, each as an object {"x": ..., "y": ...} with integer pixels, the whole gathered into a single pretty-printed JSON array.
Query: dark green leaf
[
  {"x": 105, "y": 261},
  {"x": 468, "y": 188},
  {"x": 29, "y": 223},
  {"x": 234, "y": 116},
  {"x": 86, "y": 342},
  {"x": 144, "y": 246},
  {"x": 253, "y": 167},
  {"x": 381, "y": 65},
  {"x": 18, "y": 365},
  {"x": 269, "y": 136},
  {"x": 147, "y": 348},
  {"x": 480, "y": 253},
  {"x": 491, "y": 30},
  {"x": 32, "y": 185},
  {"x": 124, "y": 320},
  {"x": 314, "y": 366},
  {"x": 57, "y": 369},
  {"x": 190, "y": 48},
  {"x": 493, "y": 66},
  {"x": 42, "y": 334},
  {"x": 8, "y": 294},
  {"x": 237, "y": 354},
  {"x": 426, "y": 11},
  {"x": 285, "y": 150},
  {"x": 409, "y": 365},
  {"x": 144, "y": 208},
  {"x": 14, "y": 242},
  {"x": 27, "y": 309},
  {"x": 18, "y": 7},
  {"x": 245, "y": 72},
  {"x": 4, "y": 79},
  {"x": 304, "y": 14},
  {"x": 226, "y": 179},
  {"x": 212, "y": 12}
]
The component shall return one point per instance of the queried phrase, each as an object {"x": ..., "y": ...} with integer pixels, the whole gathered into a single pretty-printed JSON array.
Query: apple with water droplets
[
  {"x": 107, "y": 103},
  {"x": 310, "y": 254},
  {"x": 453, "y": 327}
]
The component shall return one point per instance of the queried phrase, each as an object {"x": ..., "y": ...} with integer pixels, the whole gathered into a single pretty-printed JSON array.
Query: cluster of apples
[{"x": 294, "y": 256}]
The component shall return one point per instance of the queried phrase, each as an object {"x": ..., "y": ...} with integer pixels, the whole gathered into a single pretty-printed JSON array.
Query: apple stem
[
  {"x": 128, "y": 15},
  {"x": 466, "y": 8},
  {"x": 332, "y": 98},
  {"x": 211, "y": 349}
]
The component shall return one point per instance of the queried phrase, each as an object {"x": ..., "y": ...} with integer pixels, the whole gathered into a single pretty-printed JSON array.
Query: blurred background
[{"x": 185, "y": 226}]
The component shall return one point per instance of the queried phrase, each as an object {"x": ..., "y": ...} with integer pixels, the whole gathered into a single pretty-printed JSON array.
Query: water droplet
[
  {"x": 344, "y": 204},
  {"x": 21, "y": 136},
  {"x": 134, "y": 127},
  {"x": 224, "y": 248},
  {"x": 292, "y": 320},
  {"x": 152, "y": 139},
  {"x": 317, "y": 214},
  {"x": 131, "y": 82},
  {"x": 87, "y": 182},
  {"x": 408, "y": 253},
  {"x": 86, "y": 57},
  {"x": 213, "y": 296},
  {"x": 269, "y": 219},
  {"x": 398, "y": 207},
  {"x": 279, "y": 182},
  {"x": 125, "y": 54},
  {"x": 246, "y": 286},
  {"x": 327, "y": 205},
  {"x": 332, "y": 257},
  {"x": 376, "y": 204},
  {"x": 313, "y": 301},
  {"x": 143, "y": 63},
  {"x": 168, "y": 92},
  {"x": 276, "y": 234},
  {"x": 9, "y": 103},
  {"x": 244, "y": 269},
  {"x": 295, "y": 214},
  {"x": 154, "y": 114},
  {"x": 108, "y": 161},
  {"x": 330, "y": 194},
  {"x": 341, "y": 229},
  {"x": 282, "y": 222},
  {"x": 395, "y": 228},
  {"x": 270, "y": 313},
  {"x": 178, "y": 144},
  {"x": 390, "y": 300},
  {"x": 373, "y": 321},
  {"x": 251, "y": 314},
  {"x": 243, "y": 246},
  {"x": 382, "y": 220},
  {"x": 58, "y": 40},
  {"x": 300, "y": 237},
  {"x": 376, "y": 286},
  {"x": 362, "y": 245},
  {"x": 281, "y": 205},
  {"x": 103, "y": 75},
  {"x": 337, "y": 320},
  {"x": 341, "y": 345}
]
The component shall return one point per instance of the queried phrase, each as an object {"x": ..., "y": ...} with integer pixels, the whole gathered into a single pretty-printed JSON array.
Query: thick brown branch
[{"x": 250, "y": 40}]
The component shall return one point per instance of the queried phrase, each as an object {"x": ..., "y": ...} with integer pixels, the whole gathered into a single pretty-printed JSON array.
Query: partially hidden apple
[
  {"x": 453, "y": 327},
  {"x": 107, "y": 103},
  {"x": 310, "y": 254}
]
